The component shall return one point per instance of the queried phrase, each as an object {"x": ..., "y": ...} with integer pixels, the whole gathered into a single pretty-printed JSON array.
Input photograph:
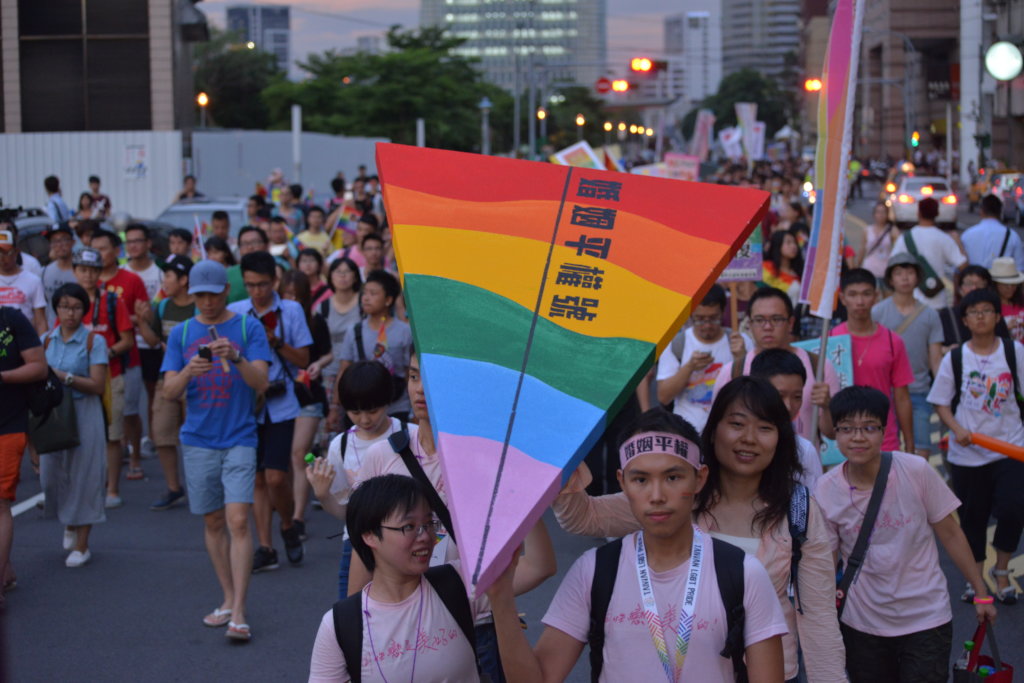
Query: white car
[{"x": 903, "y": 201}]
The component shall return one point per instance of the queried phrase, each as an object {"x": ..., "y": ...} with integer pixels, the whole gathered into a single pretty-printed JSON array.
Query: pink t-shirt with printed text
[
  {"x": 880, "y": 361},
  {"x": 629, "y": 652},
  {"x": 900, "y": 588}
]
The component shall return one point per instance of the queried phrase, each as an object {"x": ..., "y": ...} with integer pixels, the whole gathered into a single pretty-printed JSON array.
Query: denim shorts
[
  {"x": 216, "y": 477},
  {"x": 133, "y": 391}
]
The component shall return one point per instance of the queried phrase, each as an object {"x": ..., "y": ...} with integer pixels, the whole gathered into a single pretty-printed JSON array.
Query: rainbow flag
[
  {"x": 835, "y": 124},
  {"x": 539, "y": 296}
]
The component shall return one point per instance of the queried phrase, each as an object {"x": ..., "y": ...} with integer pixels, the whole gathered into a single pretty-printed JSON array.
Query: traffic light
[
  {"x": 915, "y": 139},
  {"x": 620, "y": 85},
  {"x": 813, "y": 85}
]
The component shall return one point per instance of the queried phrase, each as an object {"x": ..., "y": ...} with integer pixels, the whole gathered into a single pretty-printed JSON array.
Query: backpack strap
[
  {"x": 161, "y": 307},
  {"x": 1006, "y": 240},
  {"x": 729, "y": 568},
  {"x": 606, "y": 570},
  {"x": 1011, "y": 362},
  {"x": 399, "y": 442},
  {"x": 449, "y": 587},
  {"x": 797, "y": 517},
  {"x": 348, "y": 630},
  {"x": 956, "y": 359},
  {"x": 325, "y": 310},
  {"x": 357, "y": 331},
  {"x": 344, "y": 444},
  {"x": 679, "y": 344}
]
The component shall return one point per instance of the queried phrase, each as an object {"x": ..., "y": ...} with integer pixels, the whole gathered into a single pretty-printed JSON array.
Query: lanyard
[{"x": 653, "y": 616}]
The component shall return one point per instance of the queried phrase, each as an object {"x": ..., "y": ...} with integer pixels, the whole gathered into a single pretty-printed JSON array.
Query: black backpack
[
  {"x": 728, "y": 567},
  {"x": 348, "y": 616},
  {"x": 957, "y": 360}
]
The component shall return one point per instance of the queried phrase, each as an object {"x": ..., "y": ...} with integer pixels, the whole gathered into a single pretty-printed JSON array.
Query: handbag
[
  {"x": 1000, "y": 671},
  {"x": 302, "y": 392},
  {"x": 57, "y": 430}
]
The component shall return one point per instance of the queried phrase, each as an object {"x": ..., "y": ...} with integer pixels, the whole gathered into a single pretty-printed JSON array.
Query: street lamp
[
  {"x": 580, "y": 122},
  {"x": 485, "y": 126},
  {"x": 622, "y": 127},
  {"x": 202, "y": 99},
  {"x": 542, "y": 116},
  {"x": 1004, "y": 61},
  {"x": 251, "y": 45}
]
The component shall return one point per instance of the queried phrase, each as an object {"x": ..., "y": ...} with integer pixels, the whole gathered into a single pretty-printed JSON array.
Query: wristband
[{"x": 984, "y": 601}]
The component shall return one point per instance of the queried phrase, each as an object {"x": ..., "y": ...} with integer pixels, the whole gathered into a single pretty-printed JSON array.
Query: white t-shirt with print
[
  {"x": 987, "y": 405},
  {"x": 694, "y": 403},
  {"x": 152, "y": 278},
  {"x": 23, "y": 291}
]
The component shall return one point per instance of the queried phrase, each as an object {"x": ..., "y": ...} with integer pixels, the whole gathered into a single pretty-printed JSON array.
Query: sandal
[
  {"x": 238, "y": 632},
  {"x": 135, "y": 474},
  {"x": 217, "y": 618},
  {"x": 1008, "y": 595},
  {"x": 968, "y": 594}
]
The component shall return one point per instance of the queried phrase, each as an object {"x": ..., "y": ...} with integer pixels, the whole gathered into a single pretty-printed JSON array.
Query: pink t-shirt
[
  {"x": 391, "y": 638},
  {"x": 900, "y": 588},
  {"x": 804, "y": 421},
  {"x": 1014, "y": 317},
  {"x": 629, "y": 653},
  {"x": 880, "y": 361}
]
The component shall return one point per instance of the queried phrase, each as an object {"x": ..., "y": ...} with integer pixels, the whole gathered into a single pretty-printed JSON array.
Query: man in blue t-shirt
[{"x": 219, "y": 359}]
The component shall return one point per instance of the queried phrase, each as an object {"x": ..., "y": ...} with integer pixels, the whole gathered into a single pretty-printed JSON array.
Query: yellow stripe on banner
[{"x": 627, "y": 305}]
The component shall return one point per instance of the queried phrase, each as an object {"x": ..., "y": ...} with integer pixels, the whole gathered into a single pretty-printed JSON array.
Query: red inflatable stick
[{"x": 997, "y": 446}]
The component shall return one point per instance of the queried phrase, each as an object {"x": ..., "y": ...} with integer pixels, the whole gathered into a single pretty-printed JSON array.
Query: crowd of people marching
[{"x": 232, "y": 360}]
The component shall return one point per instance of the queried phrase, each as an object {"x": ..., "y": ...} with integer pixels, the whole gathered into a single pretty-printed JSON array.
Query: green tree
[
  {"x": 234, "y": 77},
  {"x": 746, "y": 85},
  {"x": 382, "y": 95},
  {"x": 572, "y": 101}
]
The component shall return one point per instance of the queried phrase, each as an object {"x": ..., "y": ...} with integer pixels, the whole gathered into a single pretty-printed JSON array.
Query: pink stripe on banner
[{"x": 471, "y": 483}]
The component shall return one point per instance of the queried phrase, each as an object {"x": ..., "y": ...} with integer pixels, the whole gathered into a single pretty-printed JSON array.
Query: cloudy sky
[{"x": 634, "y": 26}]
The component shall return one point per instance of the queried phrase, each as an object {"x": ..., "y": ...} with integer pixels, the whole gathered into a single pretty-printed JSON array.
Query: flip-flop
[
  {"x": 238, "y": 632},
  {"x": 135, "y": 473},
  {"x": 217, "y": 618}
]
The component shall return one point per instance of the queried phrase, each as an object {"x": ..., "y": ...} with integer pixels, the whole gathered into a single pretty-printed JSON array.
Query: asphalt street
[{"x": 134, "y": 612}]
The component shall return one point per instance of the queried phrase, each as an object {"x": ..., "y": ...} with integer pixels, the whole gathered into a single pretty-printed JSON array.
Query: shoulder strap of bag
[
  {"x": 1011, "y": 363},
  {"x": 679, "y": 345},
  {"x": 956, "y": 359},
  {"x": 929, "y": 272},
  {"x": 909, "y": 320},
  {"x": 1006, "y": 241},
  {"x": 344, "y": 444},
  {"x": 449, "y": 587},
  {"x": 797, "y": 518},
  {"x": 606, "y": 570},
  {"x": 856, "y": 559},
  {"x": 729, "y": 569},
  {"x": 325, "y": 310},
  {"x": 879, "y": 239},
  {"x": 400, "y": 444},
  {"x": 357, "y": 330},
  {"x": 348, "y": 629}
]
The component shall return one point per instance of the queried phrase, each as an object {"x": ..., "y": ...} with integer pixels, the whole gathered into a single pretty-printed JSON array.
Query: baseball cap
[
  {"x": 207, "y": 277},
  {"x": 178, "y": 263},
  {"x": 87, "y": 256},
  {"x": 6, "y": 240},
  {"x": 57, "y": 229}
]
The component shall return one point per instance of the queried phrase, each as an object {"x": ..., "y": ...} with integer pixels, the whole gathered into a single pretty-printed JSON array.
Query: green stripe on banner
[{"x": 457, "y": 319}]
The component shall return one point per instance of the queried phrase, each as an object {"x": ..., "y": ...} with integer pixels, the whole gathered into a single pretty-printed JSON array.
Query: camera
[{"x": 277, "y": 388}]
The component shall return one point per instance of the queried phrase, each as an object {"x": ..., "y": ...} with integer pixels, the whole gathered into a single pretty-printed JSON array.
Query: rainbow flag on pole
[{"x": 835, "y": 126}]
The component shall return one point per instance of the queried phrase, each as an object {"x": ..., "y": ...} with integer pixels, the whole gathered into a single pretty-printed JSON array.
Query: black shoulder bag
[{"x": 856, "y": 559}]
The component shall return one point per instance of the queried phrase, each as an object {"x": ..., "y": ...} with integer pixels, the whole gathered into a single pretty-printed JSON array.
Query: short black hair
[
  {"x": 140, "y": 227},
  {"x": 94, "y": 179},
  {"x": 261, "y": 263},
  {"x": 313, "y": 253},
  {"x": 715, "y": 297},
  {"x": 658, "y": 419},
  {"x": 859, "y": 400},
  {"x": 386, "y": 280},
  {"x": 773, "y": 362},
  {"x": 928, "y": 208},
  {"x": 858, "y": 276},
  {"x": 366, "y": 385},
  {"x": 983, "y": 295},
  {"x": 258, "y": 198},
  {"x": 217, "y": 244},
  {"x": 369, "y": 219},
  {"x": 115, "y": 241},
  {"x": 188, "y": 177},
  {"x": 182, "y": 234},
  {"x": 337, "y": 263},
  {"x": 220, "y": 215},
  {"x": 372, "y": 237},
  {"x": 73, "y": 290},
  {"x": 769, "y": 293},
  {"x": 279, "y": 219},
  {"x": 317, "y": 209},
  {"x": 296, "y": 190},
  {"x": 338, "y": 185},
  {"x": 374, "y": 501},
  {"x": 52, "y": 184},
  {"x": 252, "y": 228},
  {"x": 992, "y": 206}
]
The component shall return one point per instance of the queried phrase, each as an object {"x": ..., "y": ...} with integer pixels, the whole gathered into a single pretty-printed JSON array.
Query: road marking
[{"x": 26, "y": 505}]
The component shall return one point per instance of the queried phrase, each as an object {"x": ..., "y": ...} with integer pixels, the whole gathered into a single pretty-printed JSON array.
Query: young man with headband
[{"x": 667, "y": 571}]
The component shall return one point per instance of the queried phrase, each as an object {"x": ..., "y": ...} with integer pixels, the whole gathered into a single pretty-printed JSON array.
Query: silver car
[
  {"x": 183, "y": 214},
  {"x": 903, "y": 201}
]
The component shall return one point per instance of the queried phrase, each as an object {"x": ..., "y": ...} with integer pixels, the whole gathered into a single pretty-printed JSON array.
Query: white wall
[
  {"x": 143, "y": 190},
  {"x": 232, "y": 162}
]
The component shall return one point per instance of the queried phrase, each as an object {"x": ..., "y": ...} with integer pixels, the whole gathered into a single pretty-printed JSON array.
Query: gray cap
[
  {"x": 207, "y": 277},
  {"x": 902, "y": 259},
  {"x": 87, "y": 256}
]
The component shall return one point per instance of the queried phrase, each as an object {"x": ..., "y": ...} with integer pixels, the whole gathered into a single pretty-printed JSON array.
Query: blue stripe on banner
[{"x": 473, "y": 398}]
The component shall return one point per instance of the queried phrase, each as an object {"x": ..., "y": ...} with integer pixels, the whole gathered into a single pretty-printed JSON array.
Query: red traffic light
[
  {"x": 813, "y": 85},
  {"x": 620, "y": 85},
  {"x": 642, "y": 64}
]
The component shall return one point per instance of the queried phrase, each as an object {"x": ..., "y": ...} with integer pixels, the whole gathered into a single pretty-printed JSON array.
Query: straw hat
[{"x": 1004, "y": 270}]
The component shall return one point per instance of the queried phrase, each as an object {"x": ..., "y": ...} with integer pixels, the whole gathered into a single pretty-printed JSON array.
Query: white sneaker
[
  {"x": 113, "y": 502},
  {"x": 77, "y": 559},
  {"x": 147, "y": 449},
  {"x": 70, "y": 538}
]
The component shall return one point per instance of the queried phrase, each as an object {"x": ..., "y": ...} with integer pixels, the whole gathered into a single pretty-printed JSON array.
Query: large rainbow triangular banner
[
  {"x": 835, "y": 124},
  {"x": 539, "y": 295}
]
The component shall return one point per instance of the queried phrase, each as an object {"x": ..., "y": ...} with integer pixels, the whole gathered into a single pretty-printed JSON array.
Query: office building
[
  {"x": 268, "y": 26},
  {"x": 763, "y": 35},
  {"x": 693, "y": 39},
  {"x": 564, "y": 40}
]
